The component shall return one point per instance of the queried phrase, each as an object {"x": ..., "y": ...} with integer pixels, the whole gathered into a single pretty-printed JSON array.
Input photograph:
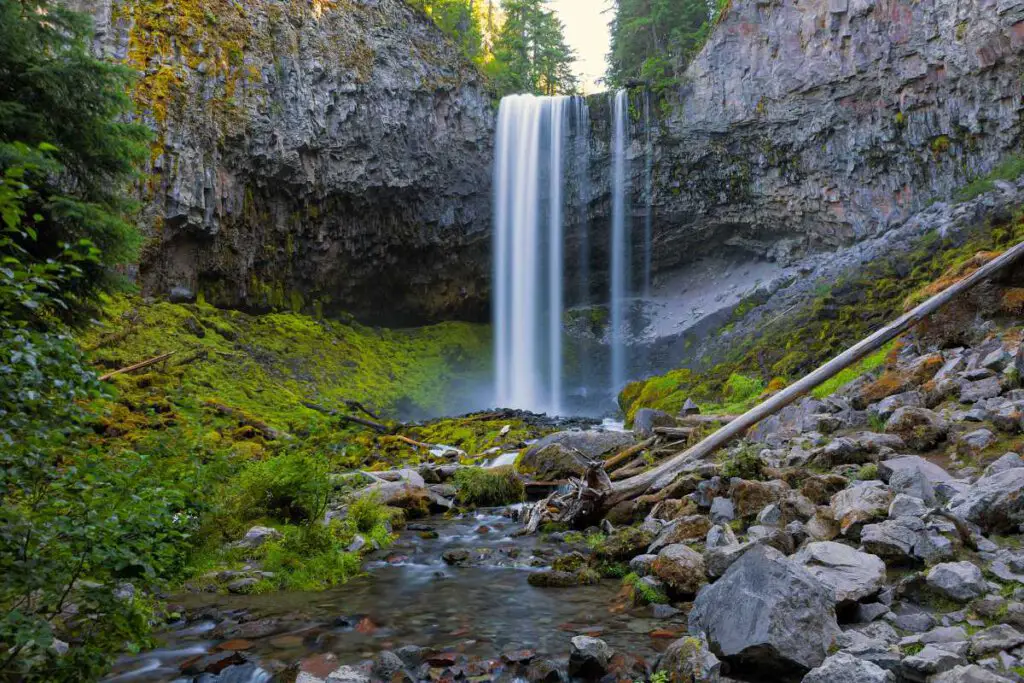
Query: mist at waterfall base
[{"x": 544, "y": 254}]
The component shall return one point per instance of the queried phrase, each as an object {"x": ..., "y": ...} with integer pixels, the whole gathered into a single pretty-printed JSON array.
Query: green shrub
[
  {"x": 292, "y": 487},
  {"x": 367, "y": 512},
  {"x": 868, "y": 472},
  {"x": 489, "y": 487},
  {"x": 311, "y": 557}
]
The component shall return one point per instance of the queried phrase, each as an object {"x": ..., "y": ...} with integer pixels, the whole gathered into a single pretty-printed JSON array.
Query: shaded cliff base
[{"x": 827, "y": 302}]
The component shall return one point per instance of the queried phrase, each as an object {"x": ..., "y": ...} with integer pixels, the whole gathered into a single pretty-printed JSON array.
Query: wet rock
[
  {"x": 646, "y": 419},
  {"x": 625, "y": 543},
  {"x": 689, "y": 660},
  {"x": 348, "y": 674},
  {"x": 960, "y": 581},
  {"x": 567, "y": 454},
  {"x": 995, "y": 502},
  {"x": 213, "y": 663},
  {"x": 544, "y": 671},
  {"x": 766, "y": 614},
  {"x": 589, "y": 657},
  {"x": 681, "y": 568},
  {"x": 243, "y": 586},
  {"x": 457, "y": 556},
  {"x": 843, "y": 667},
  {"x": 851, "y": 574},
  {"x": 641, "y": 564},
  {"x": 921, "y": 428},
  {"x": 862, "y": 502},
  {"x": 562, "y": 579},
  {"x": 994, "y": 639},
  {"x": 386, "y": 665},
  {"x": 928, "y": 662}
]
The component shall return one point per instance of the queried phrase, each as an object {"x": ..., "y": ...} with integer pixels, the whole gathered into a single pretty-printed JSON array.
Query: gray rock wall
[{"x": 317, "y": 155}]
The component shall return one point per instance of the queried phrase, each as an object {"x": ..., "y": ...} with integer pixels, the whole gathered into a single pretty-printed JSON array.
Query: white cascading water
[
  {"x": 528, "y": 259},
  {"x": 619, "y": 245}
]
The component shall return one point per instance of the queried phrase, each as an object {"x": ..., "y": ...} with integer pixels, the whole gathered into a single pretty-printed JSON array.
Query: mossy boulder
[
  {"x": 750, "y": 497},
  {"x": 681, "y": 568},
  {"x": 624, "y": 544},
  {"x": 566, "y": 454},
  {"x": 562, "y": 579}
]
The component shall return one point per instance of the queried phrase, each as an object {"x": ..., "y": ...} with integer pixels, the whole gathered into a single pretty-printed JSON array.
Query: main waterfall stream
[{"x": 542, "y": 181}]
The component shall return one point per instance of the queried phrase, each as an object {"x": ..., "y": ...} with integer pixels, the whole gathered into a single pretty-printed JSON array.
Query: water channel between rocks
[{"x": 409, "y": 596}]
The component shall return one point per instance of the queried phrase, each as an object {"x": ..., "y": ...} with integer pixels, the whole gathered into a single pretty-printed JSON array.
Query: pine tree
[
  {"x": 531, "y": 55},
  {"x": 654, "y": 40}
]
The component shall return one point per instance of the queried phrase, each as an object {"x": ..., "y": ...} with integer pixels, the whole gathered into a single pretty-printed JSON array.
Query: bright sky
[{"x": 586, "y": 31}]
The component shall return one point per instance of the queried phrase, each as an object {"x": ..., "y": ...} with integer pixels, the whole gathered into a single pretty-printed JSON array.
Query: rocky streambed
[{"x": 450, "y": 599}]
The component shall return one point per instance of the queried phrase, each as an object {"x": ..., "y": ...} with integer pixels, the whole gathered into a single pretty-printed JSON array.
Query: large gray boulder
[
  {"x": 566, "y": 454},
  {"x": 862, "y": 502},
  {"x": 929, "y": 661},
  {"x": 646, "y": 419},
  {"x": 681, "y": 568},
  {"x": 589, "y": 657},
  {"x": 845, "y": 668},
  {"x": 916, "y": 463},
  {"x": 767, "y": 614},
  {"x": 961, "y": 581},
  {"x": 995, "y": 502},
  {"x": 852, "y": 575},
  {"x": 969, "y": 674}
]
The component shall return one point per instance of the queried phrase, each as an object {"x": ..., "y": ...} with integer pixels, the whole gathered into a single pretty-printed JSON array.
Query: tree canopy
[
  {"x": 519, "y": 44},
  {"x": 654, "y": 40}
]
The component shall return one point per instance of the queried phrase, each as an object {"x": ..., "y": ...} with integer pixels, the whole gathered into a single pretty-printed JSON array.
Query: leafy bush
[
  {"x": 489, "y": 487},
  {"x": 292, "y": 487},
  {"x": 367, "y": 512},
  {"x": 311, "y": 557},
  {"x": 868, "y": 472}
]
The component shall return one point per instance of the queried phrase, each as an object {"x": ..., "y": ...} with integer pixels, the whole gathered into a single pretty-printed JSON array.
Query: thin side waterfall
[
  {"x": 619, "y": 245},
  {"x": 528, "y": 259},
  {"x": 581, "y": 129},
  {"x": 648, "y": 191}
]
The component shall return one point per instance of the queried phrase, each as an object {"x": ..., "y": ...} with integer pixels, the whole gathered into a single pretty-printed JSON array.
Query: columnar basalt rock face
[
  {"x": 324, "y": 155},
  {"x": 807, "y": 125}
]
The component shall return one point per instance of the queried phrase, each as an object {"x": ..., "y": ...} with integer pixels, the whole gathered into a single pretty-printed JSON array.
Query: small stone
[
  {"x": 722, "y": 510},
  {"x": 843, "y": 667},
  {"x": 928, "y": 662},
  {"x": 589, "y": 657}
]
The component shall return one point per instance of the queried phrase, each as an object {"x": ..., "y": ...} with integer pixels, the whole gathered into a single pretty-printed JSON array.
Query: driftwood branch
[
  {"x": 378, "y": 426},
  {"x": 665, "y": 473},
  {"x": 137, "y": 366},
  {"x": 694, "y": 420},
  {"x": 627, "y": 453}
]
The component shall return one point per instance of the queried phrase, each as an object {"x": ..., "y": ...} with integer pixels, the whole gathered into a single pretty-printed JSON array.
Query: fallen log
[
  {"x": 382, "y": 428},
  {"x": 137, "y": 366},
  {"x": 674, "y": 432},
  {"x": 627, "y": 453},
  {"x": 697, "y": 420},
  {"x": 665, "y": 473}
]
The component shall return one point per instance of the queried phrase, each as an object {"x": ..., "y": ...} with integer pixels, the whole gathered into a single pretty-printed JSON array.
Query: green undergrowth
[
  {"x": 475, "y": 434},
  {"x": 489, "y": 487},
  {"x": 840, "y": 314},
  {"x": 1009, "y": 169},
  {"x": 643, "y": 594},
  {"x": 269, "y": 365}
]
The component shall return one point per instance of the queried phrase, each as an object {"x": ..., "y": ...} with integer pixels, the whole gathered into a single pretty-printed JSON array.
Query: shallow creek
[{"x": 410, "y": 596}]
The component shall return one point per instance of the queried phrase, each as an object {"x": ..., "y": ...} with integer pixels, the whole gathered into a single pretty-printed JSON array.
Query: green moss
[
  {"x": 489, "y": 487},
  {"x": 746, "y": 464},
  {"x": 862, "y": 367},
  {"x": 1009, "y": 169},
  {"x": 643, "y": 594},
  {"x": 475, "y": 434},
  {"x": 868, "y": 472},
  {"x": 793, "y": 344},
  {"x": 269, "y": 365}
]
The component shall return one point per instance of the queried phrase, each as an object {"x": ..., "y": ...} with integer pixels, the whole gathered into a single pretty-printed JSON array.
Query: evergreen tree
[
  {"x": 531, "y": 55},
  {"x": 654, "y": 40},
  {"x": 62, "y": 122}
]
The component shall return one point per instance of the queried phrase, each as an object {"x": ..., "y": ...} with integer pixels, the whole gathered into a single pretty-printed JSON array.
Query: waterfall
[
  {"x": 581, "y": 171},
  {"x": 619, "y": 245},
  {"x": 648, "y": 191},
  {"x": 528, "y": 258}
]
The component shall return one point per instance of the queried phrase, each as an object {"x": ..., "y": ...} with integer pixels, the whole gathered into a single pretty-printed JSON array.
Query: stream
[{"x": 467, "y": 616}]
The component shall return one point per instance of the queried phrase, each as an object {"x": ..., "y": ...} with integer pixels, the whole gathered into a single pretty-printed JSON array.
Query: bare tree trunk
[{"x": 664, "y": 474}]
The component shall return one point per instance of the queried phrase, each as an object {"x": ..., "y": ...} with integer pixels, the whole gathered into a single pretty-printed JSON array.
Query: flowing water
[
  {"x": 619, "y": 243},
  {"x": 410, "y": 596}
]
